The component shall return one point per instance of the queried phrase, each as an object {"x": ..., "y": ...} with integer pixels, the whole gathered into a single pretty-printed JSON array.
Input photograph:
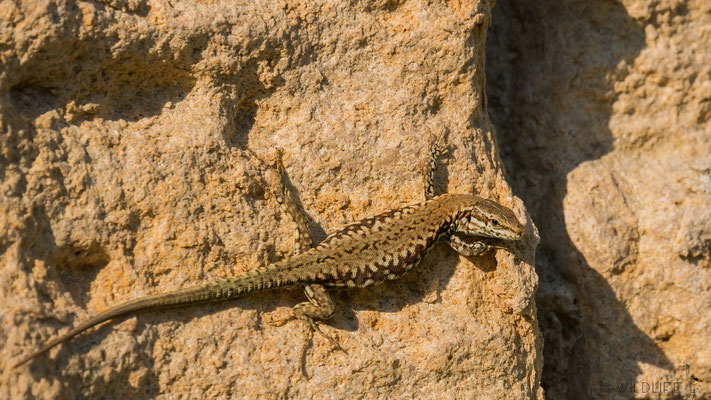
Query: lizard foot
[{"x": 281, "y": 321}]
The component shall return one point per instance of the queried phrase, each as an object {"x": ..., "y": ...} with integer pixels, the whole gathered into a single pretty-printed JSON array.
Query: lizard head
[{"x": 489, "y": 219}]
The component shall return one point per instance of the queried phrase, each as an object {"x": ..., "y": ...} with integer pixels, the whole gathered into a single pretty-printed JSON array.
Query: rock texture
[
  {"x": 603, "y": 113},
  {"x": 123, "y": 173}
]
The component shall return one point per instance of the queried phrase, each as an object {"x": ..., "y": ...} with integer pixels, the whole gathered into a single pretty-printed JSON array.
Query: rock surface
[
  {"x": 603, "y": 114},
  {"x": 123, "y": 173}
]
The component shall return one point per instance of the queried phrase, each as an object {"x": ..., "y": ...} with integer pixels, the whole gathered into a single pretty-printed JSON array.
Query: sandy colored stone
[
  {"x": 603, "y": 114},
  {"x": 123, "y": 173}
]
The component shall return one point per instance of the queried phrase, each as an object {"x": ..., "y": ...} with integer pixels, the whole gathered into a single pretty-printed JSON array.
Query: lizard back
[{"x": 375, "y": 249}]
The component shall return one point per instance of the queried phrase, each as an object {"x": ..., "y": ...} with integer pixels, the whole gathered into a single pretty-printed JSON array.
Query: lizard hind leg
[
  {"x": 279, "y": 192},
  {"x": 435, "y": 150},
  {"x": 319, "y": 307},
  {"x": 302, "y": 235}
]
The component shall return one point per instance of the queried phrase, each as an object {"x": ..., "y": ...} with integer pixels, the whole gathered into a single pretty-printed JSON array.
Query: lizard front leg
[{"x": 467, "y": 249}]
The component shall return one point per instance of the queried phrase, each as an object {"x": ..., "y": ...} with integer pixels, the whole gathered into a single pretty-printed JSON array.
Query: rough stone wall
[
  {"x": 602, "y": 110},
  {"x": 123, "y": 126}
]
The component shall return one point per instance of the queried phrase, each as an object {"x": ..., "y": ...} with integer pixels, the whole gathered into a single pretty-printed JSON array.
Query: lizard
[{"x": 371, "y": 251}]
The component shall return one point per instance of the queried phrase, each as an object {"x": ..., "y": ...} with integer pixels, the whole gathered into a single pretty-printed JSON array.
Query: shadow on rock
[{"x": 551, "y": 69}]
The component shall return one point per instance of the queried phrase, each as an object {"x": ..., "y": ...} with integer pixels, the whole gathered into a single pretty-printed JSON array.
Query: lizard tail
[{"x": 260, "y": 279}]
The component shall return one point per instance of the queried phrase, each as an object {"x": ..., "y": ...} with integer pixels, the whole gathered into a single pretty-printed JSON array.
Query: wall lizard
[{"x": 371, "y": 251}]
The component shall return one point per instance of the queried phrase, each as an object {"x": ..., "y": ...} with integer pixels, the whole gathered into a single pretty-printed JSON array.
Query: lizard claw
[{"x": 334, "y": 342}]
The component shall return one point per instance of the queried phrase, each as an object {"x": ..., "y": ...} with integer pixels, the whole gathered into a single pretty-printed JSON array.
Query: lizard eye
[{"x": 494, "y": 222}]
